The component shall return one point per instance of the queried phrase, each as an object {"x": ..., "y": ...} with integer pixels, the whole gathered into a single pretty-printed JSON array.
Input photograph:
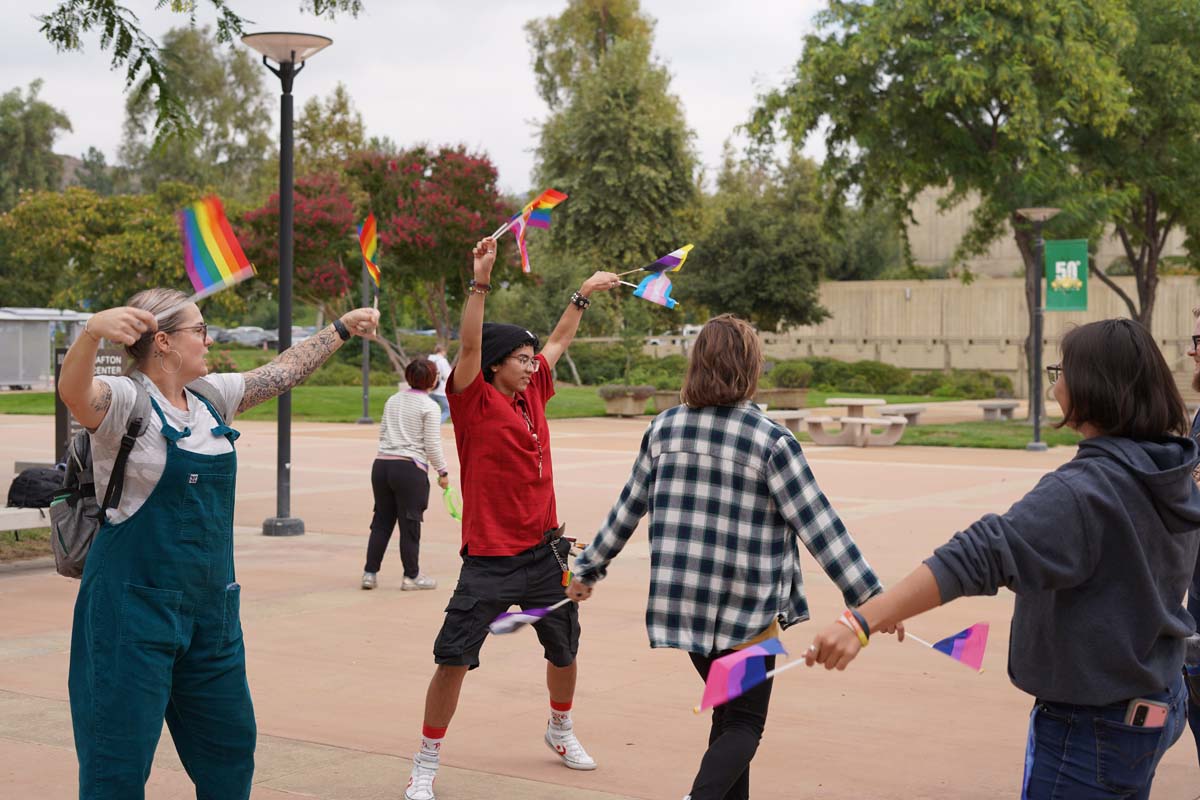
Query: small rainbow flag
[
  {"x": 966, "y": 646},
  {"x": 544, "y": 202},
  {"x": 211, "y": 253},
  {"x": 657, "y": 289},
  {"x": 738, "y": 672},
  {"x": 368, "y": 242},
  {"x": 510, "y": 621},
  {"x": 671, "y": 262}
]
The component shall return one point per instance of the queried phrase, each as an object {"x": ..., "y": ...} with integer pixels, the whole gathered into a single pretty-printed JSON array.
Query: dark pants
[
  {"x": 1088, "y": 753},
  {"x": 737, "y": 727},
  {"x": 401, "y": 494}
]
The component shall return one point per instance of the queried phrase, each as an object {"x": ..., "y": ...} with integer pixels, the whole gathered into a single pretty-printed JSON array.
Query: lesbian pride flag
[
  {"x": 966, "y": 646},
  {"x": 737, "y": 673},
  {"x": 212, "y": 255}
]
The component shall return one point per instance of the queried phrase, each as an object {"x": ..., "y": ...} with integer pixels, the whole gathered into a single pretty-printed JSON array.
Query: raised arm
[
  {"x": 299, "y": 361},
  {"x": 470, "y": 331},
  {"x": 87, "y": 398},
  {"x": 568, "y": 323}
]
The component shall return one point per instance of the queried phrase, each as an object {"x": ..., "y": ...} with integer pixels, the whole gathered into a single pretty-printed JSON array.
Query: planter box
[
  {"x": 625, "y": 406},
  {"x": 665, "y": 399},
  {"x": 782, "y": 398}
]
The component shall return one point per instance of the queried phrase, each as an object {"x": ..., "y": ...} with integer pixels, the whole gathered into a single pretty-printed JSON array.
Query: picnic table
[
  {"x": 856, "y": 406},
  {"x": 857, "y": 429}
]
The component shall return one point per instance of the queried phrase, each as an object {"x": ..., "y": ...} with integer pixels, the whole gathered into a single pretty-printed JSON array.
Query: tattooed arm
[
  {"x": 87, "y": 398},
  {"x": 299, "y": 361}
]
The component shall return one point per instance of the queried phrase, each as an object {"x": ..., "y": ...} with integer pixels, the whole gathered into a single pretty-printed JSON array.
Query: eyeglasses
[
  {"x": 528, "y": 362},
  {"x": 1195, "y": 343},
  {"x": 1053, "y": 372},
  {"x": 202, "y": 327}
]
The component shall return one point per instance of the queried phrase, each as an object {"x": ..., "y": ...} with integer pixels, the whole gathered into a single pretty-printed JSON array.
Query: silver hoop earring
[{"x": 162, "y": 362}]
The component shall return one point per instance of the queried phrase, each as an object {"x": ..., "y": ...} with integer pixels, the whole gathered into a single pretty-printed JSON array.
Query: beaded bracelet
[{"x": 850, "y": 622}]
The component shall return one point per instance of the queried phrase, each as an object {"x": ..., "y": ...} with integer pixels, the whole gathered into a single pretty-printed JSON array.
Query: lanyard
[{"x": 533, "y": 433}]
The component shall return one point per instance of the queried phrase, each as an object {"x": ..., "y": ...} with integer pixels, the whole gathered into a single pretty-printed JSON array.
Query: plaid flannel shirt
[{"x": 728, "y": 492}]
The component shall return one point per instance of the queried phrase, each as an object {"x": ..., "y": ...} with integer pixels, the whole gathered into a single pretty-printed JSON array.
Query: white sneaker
[
  {"x": 568, "y": 748},
  {"x": 369, "y": 580},
  {"x": 422, "y": 581},
  {"x": 420, "y": 783}
]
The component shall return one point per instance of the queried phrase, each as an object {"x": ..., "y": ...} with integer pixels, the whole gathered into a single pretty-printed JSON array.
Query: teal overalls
[{"x": 157, "y": 634}]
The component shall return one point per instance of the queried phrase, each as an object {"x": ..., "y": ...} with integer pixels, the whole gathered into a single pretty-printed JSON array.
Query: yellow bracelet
[{"x": 850, "y": 622}]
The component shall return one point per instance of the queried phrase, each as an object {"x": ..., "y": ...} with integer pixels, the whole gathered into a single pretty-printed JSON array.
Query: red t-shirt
[{"x": 507, "y": 504}]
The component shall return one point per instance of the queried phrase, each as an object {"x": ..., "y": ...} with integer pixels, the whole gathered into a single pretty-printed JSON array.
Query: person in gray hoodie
[{"x": 1099, "y": 555}]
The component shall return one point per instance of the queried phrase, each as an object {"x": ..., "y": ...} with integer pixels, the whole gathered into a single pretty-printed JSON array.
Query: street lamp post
[
  {"x": 287, "y": 50},
  {"x": 1039, "y": 217}
]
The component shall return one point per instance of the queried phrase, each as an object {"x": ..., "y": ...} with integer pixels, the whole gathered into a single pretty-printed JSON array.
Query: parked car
[
  {"x": 250, "y": 335},
  {"x": 219, "y": 334}
]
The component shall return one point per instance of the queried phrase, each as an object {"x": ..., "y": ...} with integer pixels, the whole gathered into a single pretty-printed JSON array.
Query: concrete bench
[
  {"x": 995, "y": 410},
  {"x": 21, "y": 519},
  {"x": 793, "y": 419},
  {"x": 893, "y": 429},
  {"x": 910, "y": 413}
]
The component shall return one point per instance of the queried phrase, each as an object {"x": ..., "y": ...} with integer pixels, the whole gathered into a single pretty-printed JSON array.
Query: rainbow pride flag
[
  {"x": 211, "y": 253},
  {"x": 966, "y": 646},
  {"x": 657, "y": 289},
  {"x": 738, "y": 672},
  {"x": 544, "y": 202},
  {"x": 511, "y": 621},
  {"x": 368, "y": 242},
  {"x": 672, "y": 261}
]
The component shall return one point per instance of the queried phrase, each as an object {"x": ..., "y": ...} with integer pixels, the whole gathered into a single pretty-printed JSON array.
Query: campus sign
[
  {"x": 1066, "y": 275},
  {"x": 109, "y": 361}
]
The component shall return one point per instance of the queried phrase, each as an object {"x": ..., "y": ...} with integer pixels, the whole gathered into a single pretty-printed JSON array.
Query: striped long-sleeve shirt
[
  {"x": 412, "y": 428},
  {"x": 730, "y": 495}
]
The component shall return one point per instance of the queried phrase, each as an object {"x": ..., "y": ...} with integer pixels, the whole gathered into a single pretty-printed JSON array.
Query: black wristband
[
  {"x": 580, "y": 301},
  {"x": 340, "y": 327},
  {"x": 442, "y": 473}
]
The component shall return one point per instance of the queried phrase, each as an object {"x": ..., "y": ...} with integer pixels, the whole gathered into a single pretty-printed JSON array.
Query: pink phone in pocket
[{"x": 1146, "y": 713}]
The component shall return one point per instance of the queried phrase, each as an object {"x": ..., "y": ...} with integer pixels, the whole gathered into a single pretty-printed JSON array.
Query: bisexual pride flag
[
  {"x": 966, "y": 646},
  {"x": 738, "y": 672}
]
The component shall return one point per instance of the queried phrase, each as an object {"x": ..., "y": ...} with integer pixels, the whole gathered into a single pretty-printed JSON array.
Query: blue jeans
[
  {"x": 444, "y": 404},
  {"x": 1088, "y": 753},
  {"x": 1192, "y": 675}
]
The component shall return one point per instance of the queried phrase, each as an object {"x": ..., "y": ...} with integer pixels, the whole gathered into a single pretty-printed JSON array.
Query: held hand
[
  {"x": 444, "y": 482},
  {"x": 485, "y": 259},
  {"x": 835, "y": 647},
  {"x": 897, "y": 629},
  {"x": 361, "y": 322},
  {"x": 123, "y": 325},
  {"x": 599, "y": 282},
  {"x": 578, "y": 590}
]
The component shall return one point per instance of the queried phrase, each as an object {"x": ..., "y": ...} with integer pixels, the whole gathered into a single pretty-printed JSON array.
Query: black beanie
[{"x": 499, "y": 342}]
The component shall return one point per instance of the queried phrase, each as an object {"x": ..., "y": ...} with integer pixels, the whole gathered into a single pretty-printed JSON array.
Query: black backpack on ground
[{"x": 35, "y": 487}]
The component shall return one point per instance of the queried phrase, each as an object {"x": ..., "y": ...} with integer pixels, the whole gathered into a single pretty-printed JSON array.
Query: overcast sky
[{"x": 442, "y": 72}]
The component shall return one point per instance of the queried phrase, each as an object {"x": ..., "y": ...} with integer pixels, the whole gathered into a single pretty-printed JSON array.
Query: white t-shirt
[
  {"x": 443, "y": 368},
  {"x": 149, "y": 455}
]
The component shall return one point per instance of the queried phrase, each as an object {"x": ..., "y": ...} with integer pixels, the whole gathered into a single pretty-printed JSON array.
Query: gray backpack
[{"x": 75, "y": 516}]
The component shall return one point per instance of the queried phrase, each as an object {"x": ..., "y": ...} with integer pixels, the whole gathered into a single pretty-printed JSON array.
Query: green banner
[{"x": 1066, "y": 275}]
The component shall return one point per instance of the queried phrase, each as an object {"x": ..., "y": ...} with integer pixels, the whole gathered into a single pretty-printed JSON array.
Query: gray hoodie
[{"x": 1099, "y": 554}]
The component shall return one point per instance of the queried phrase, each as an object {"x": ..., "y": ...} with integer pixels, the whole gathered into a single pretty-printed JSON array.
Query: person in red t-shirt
[{"x": 511, "y": 547}]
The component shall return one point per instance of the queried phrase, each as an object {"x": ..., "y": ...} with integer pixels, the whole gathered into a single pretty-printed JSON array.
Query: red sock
[
  {"x": 431, "y": 741},
  {"x": 560, "y": 714}
]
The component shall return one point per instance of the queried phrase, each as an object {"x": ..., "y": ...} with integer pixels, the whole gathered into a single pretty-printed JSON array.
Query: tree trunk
[{"x": 574, "y": 371}]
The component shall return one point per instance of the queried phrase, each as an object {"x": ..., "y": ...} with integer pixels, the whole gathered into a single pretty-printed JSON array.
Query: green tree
[
  {"x": 121, "y": 32},
  {"x": 95, "y": 173},
  {"x": 765, "y": 244},
  {"x": 975, "y": 96},
  {"x": 618, "y": 145},
  {"x": 1152, "y": 160},
  {"x": 28, "y": 127},
  {"x": 229, "y": 143},
  {"x": 328, "y": 132}
]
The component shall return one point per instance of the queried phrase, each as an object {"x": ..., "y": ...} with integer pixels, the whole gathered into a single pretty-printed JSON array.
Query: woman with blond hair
[
  {"x": 729, "y": 495},
  {"x": 157, "y": 632}
]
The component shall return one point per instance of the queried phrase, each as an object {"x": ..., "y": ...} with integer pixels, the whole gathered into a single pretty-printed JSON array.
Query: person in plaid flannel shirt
[{"x": 729, "y": 493}]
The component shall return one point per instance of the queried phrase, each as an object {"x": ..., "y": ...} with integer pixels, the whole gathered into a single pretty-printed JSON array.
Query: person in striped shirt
[{"x": 410, "y": 442}]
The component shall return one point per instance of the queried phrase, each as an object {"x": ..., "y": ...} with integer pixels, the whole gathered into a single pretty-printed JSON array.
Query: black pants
[
  {"x": 737, "y": 727},
  {"x": 401, "y": 494}
]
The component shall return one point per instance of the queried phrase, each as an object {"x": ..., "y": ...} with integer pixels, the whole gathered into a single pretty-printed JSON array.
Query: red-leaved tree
[
  {"x": 324, "y": 225},
  {"x": 431, "y": 206}
]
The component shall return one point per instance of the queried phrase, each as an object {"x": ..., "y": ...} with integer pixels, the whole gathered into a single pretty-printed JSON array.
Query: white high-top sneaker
[
  {"x": 563, "y": 742},
  {"x": 420, "y": 783}
]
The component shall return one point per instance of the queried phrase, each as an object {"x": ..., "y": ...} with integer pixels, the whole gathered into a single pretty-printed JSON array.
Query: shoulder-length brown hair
[
  {"x": 1118, "y": 381},
  {"x": 724, "y": 364}
]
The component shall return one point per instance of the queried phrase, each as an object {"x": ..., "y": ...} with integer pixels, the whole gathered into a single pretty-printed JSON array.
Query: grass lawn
[{"x": 21, "y": 545}]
